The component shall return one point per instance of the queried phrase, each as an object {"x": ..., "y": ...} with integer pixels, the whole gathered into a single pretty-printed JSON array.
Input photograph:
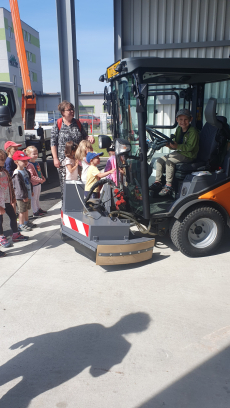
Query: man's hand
[
  {"x": 172, "y": 145},
  {"x": 56, "y": 163},
  {"x": 25, "y": 200},
  {"x": 2, "y": 210},
  {"x": 91, "y": 139}
]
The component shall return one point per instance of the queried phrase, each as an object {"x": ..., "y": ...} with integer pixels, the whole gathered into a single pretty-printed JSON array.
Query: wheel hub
[
  {"x": 202, "y": 233},
  {"x": 198, "y": 230}
]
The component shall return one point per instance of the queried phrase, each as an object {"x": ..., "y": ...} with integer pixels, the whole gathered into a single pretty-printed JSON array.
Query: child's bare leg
[
  {"x": 26, "y": 216},
  {"x": 21, "y": 218}
]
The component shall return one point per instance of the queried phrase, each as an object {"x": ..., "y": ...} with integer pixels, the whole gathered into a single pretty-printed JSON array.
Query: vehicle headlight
[{"x": 104, "y": 141}]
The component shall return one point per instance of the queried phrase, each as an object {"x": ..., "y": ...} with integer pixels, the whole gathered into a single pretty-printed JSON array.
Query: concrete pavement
[{"x": 76, "y": 335}]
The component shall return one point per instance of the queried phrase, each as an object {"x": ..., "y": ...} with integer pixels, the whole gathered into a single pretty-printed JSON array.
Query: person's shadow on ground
[{"x": 54, "y": 358}]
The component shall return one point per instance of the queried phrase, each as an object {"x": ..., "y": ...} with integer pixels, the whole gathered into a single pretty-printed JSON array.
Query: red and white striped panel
[{"x": 75, "y": 225}]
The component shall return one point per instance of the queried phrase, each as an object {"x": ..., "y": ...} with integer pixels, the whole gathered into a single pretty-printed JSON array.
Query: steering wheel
[
  {"x": 158, "y": 135},
  {"x": 158, "y": 140},
  {"x": 100, "y": 182}
]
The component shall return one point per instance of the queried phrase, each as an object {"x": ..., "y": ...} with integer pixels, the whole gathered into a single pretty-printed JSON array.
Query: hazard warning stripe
[{"x": 75, "y": 225}]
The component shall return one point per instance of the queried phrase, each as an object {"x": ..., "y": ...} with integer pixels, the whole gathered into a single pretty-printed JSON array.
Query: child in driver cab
[
  {"x": 186, "y": 145},
  {"x": 93, "y": 174}
]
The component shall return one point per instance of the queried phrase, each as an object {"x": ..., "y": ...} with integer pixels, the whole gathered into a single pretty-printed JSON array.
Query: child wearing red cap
[
  {"x": 7, "y": 198},
  {"x": 23, "y": 190},
  {"x": 10, "y": 148}
]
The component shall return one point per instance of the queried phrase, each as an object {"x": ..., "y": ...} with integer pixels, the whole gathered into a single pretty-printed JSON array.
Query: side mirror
[
  {"x": 5, "y": 116},
  {"x": 122, "y": 147},
  {"x": 109, "y": 107},
  {"x": 104, "y": 141}
]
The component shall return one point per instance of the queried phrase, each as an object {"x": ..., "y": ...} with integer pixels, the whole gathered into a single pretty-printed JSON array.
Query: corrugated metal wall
[
  {"x": 175, "y": 28},
  {"x": 172, "y": 28}
]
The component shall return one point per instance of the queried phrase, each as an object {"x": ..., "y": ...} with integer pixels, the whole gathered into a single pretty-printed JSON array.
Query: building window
[
  {"x": 33, "y": 76},
  {"x": 24, "y": 32},
  {"x": 15, "y": 80},
  {"x": 26, "y": 36},
  {"x": 8, "y": 46},
  {"x": 10, "y": 31},
  {"x": 20, "y": 72},
  {"x": 30, "y": 57}
]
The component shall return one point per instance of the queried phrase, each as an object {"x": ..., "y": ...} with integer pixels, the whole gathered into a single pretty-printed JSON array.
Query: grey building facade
[{"x": 9, "y": 63}]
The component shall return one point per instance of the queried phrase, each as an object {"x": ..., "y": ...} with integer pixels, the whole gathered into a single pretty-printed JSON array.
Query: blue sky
[{"x": 94, "y": 32}]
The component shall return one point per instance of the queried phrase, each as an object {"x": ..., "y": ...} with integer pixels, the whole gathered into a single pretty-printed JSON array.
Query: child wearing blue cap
[{"x": 93, "y": 174}]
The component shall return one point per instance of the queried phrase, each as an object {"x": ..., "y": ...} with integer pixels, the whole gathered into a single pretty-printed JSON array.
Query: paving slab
[{"x": 74, "y": 334}]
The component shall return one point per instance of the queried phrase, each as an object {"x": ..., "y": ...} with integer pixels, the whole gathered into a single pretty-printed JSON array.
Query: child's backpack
[{"x": 59, "y": 123}]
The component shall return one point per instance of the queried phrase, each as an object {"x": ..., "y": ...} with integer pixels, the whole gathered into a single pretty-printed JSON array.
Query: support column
[
  {"x": 117, "y": 12},
  {"x": 68, "y": 51}
]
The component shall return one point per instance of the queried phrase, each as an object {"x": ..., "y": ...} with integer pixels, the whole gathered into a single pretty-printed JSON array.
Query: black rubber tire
[
  {"x": 180, "y": 230},
  {"x": 173, "y": 232}
]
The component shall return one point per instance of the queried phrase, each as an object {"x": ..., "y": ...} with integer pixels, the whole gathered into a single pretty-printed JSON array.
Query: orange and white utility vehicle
[{"x": 145, "y": 95}]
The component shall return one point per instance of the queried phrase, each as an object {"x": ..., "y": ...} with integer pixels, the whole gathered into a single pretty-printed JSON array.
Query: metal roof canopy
[{"x": 177, "y": 70}]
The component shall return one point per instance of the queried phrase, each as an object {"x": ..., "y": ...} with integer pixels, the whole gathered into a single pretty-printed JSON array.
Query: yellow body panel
[{"x": 111, "y": 70}]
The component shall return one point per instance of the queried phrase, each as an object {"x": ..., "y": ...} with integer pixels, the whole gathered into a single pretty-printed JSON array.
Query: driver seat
[{"x": 212, "y": 143}]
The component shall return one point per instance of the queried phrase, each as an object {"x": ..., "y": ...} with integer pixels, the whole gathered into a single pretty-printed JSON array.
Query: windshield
[{"x": 162, "y": 105}]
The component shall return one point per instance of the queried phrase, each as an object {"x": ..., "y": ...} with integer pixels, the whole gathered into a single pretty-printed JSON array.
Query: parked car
[{"x": 88, "y": 119}]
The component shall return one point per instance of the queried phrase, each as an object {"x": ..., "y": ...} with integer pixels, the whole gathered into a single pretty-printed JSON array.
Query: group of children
[
  {"x": 82, "y": 157},
  {"x": 21, "y": 179},
  {"x": 20, "y": 184}
]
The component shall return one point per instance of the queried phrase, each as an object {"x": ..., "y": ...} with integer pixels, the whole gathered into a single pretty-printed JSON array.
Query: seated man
[{"x": 186, "y": 145}]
